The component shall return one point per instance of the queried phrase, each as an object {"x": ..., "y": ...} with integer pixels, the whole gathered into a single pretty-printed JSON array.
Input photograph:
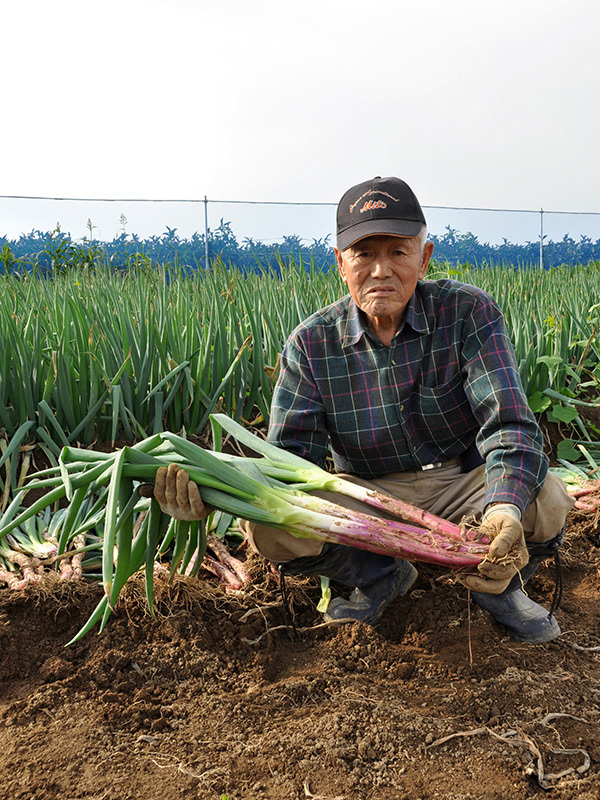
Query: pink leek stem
[
  {"x": 584, "y": 490},
  {"x": 227, "y": 578},
  {"x": 392, "y": 526},
  {"x": 77, "y": 559},
  {"x": 225, "y": 557},
  {"x": 437, "y": 540},
  {"x": 583, "y": 506},
  {"x": 333, "y": 523},
  {"x": 65, "y": 569},
  {"x": 402, "y": 509}
]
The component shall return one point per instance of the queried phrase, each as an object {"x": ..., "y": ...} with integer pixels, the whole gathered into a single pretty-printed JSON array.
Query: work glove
[
  {"x": 177, "y": 495},
  {"x": 507, "y": 552}
]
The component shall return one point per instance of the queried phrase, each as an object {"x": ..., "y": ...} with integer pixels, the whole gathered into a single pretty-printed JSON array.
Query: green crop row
[{"x": 104, "y": 356}]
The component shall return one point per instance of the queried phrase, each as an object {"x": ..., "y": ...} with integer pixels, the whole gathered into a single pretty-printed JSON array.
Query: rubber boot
[
  {"x": 377, "y": 580},
  {"x": 524, "y": 619}
]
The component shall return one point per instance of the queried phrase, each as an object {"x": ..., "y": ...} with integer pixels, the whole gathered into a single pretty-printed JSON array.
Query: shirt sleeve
[
  {"x": 509, "y": 437},
  {"x": 297, "y": 421}
]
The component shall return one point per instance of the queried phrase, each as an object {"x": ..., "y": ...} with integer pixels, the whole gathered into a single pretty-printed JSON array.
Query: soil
[{"x": 212, "y": 699}]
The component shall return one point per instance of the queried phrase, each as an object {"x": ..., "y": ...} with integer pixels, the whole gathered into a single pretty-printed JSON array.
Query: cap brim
[{"x": 377, "y": 227}]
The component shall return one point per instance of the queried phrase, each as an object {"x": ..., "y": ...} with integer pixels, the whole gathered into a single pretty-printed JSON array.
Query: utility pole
[
  {"x": 541, "y": 238},
  {"x": 205, "y": 232}
]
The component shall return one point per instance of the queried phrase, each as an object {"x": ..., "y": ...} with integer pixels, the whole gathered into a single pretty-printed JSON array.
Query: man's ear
[
  {"x": 427, "y": 252},
  {"x": 340, "y": 263}
]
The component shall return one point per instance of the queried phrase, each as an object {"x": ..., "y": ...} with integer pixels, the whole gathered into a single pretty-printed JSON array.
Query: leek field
[{"x": 103, "y": 356}]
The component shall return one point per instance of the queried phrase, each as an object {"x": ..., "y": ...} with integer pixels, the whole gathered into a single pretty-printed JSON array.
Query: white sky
[{"x": 476, "y": 104}]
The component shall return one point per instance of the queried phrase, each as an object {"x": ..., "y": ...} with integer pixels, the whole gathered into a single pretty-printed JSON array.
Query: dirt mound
[{"x": 214, "y": 699}]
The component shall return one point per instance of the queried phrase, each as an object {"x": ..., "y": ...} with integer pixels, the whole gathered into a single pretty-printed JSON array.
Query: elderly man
[{"x": 412, "y": 387}]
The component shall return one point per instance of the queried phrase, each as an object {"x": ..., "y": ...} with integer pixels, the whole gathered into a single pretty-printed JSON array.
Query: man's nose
[{"x": 381, "y": 266}]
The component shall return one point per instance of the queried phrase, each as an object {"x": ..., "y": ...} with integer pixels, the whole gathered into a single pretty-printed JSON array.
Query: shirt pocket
[{"x": 442, "y": 413}]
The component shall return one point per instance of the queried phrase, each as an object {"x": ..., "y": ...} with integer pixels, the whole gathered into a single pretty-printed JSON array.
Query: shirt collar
[{"x": 416, "y": 317}]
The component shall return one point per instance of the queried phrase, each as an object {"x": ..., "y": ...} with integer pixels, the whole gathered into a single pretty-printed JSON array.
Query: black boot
[
  {"x": 524, "y": 619},
  {"x": 377, "y": 579}
]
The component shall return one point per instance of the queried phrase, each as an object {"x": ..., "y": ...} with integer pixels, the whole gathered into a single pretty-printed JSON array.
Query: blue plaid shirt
[{"x": 448, "y": 382}]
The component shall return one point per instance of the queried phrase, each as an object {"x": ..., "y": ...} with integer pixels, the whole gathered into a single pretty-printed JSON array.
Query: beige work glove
[
  {"x": 177, "y": 495},
  {"x": 507, "y": 553}
]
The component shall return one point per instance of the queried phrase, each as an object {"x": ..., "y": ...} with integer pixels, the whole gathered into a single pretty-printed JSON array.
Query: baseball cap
[{"x": 378, "y": 206}]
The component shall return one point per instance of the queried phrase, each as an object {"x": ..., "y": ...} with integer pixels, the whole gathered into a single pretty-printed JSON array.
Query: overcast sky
[{"x": 476, "y": 104}]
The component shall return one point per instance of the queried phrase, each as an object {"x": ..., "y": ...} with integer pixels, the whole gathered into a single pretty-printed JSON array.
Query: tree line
[{"x": 55, "y": 251}]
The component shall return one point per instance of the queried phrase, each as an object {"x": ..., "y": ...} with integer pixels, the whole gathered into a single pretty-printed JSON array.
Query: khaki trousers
[{"x": 444, "y": 491}]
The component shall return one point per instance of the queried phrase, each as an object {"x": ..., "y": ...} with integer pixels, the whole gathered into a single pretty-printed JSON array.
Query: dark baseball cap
[{"x": 380, "y": 206}]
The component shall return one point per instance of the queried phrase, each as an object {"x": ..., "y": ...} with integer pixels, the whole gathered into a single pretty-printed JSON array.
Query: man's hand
[
  {"x": 507, "y": 553},
  {"x": 177, "y": 495}
]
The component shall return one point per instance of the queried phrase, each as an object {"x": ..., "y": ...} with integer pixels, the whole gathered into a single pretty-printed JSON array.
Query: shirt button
[{"x": 402, "y": 407}]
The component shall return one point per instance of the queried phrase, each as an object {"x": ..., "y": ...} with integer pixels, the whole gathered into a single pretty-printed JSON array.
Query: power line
[{"x": 274, "y": 203}]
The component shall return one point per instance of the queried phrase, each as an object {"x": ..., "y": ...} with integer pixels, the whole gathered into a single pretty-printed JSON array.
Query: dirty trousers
[{"x": 444, "y": 491}]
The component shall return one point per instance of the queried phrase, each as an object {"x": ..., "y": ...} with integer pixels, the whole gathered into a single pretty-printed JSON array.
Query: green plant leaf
[
  {"x": 538, "y": 402},
  {"x": 567, "y": 451},
  {"x": 549, "y": 361},
  {"x": 561, "y": 414}
]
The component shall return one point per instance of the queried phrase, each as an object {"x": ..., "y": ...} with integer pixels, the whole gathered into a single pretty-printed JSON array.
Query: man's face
[{"x": 381, "y": 273}]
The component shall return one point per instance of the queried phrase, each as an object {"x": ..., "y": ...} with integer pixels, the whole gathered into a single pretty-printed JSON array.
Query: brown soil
[{"x": 213, "y": 699}]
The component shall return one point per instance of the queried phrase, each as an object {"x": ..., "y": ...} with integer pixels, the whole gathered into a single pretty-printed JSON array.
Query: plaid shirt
[{"x": 449, "y": 381}]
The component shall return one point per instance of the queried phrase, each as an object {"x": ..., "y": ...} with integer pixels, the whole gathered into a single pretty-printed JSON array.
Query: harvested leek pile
[
  {"x": 131, "y": 533},
  {"x": 582, "y": 479},
  {"x": 583, "y": 488}
]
